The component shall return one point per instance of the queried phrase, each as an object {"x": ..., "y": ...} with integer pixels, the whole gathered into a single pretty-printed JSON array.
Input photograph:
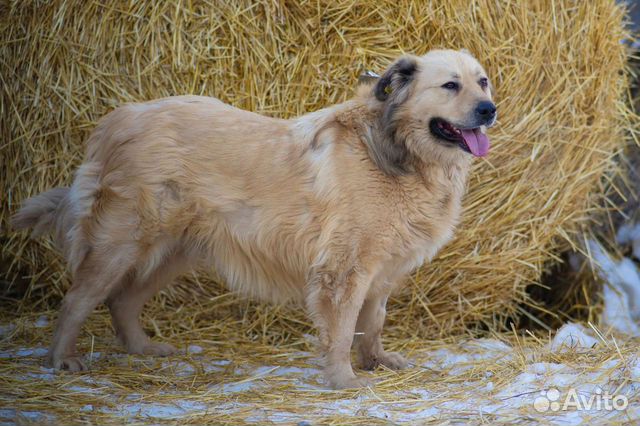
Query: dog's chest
[
  {"x": 429, "y": 216},
  {"x": 429, "y": 234}
]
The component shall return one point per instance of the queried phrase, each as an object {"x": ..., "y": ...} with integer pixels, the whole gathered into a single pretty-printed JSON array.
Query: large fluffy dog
[{"x": 331, "y": 209}]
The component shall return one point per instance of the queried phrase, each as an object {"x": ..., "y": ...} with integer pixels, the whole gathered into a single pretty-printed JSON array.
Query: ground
[
  {"x": 579, "y": 374},
  {"x": 506, "y": 379}
]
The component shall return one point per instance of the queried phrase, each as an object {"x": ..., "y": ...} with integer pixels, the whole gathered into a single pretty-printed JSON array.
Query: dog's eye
[
  {"x": 483, "y": 82},
  {"x": 452, "y": 85}
]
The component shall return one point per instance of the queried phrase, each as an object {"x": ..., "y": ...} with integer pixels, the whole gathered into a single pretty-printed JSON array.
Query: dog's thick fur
[{"x": 331, "y": 209}]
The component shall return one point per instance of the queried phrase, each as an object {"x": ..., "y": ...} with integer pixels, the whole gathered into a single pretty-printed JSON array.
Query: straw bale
[{"x": 557, "y": 67}]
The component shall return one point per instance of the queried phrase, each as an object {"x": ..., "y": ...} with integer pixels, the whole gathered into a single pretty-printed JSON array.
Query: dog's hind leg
[
  {"x": 95, "y": 278},
  {"x": 126, "y": 304}
]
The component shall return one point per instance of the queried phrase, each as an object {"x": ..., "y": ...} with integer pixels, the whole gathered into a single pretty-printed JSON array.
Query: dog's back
[{"x": 192, "y": 173}]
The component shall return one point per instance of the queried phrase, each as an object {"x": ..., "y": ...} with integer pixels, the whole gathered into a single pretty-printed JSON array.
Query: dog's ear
[
  {"x": 396, "y": 79},
  {"x": 386, "y": 146}
]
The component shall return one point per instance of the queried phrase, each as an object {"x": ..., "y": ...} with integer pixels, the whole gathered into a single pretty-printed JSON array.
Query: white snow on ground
[
  {"x": 28, "y": 416},
  {"x": 42, "y": 321},
  {"x": 36, "y": 352},
  {"x": 194, "y": 349},
  {"x": 176, "y": 409},
  {"x": 474, "y": 350},
  {"x": 630, "y": 234},
  {"x": 621, "y": 292},
  {"x": 6, "y": 329},
  {"x": 537, "y": 381},
  {"x": 572, "y": 337}
]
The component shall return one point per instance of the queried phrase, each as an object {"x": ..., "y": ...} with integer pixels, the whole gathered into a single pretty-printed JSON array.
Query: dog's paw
[
  {"x": 158, "y": 349},
  {"x": 392, "y": 360},
  {"x": 349, "y": 382},
  {"x": 68, "y": 363}
]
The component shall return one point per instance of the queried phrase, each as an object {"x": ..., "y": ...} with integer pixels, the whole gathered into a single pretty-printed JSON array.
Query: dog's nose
[{"x": 486, "y": 110}]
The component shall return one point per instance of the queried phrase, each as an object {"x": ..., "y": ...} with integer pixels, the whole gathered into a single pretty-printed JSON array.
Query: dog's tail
[
  {"x": 65, "y": 213},
  {"x": 41, "y": 213}
]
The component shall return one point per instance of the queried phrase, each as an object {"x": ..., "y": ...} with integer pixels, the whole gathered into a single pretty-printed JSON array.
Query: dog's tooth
[{"x": 483, "y": 129}]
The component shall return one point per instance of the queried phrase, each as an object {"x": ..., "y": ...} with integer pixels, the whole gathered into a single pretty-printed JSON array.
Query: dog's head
[{"x": 434, "y": 107}]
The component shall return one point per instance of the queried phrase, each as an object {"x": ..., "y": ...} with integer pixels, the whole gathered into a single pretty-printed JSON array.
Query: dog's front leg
[
  {"x": 334, "y": 300},
  {"x": 371, "y": 354}
]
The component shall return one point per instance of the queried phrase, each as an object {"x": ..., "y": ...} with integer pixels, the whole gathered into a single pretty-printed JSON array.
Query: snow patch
[
  {"x": 457, "y": 363},
  {"x": 32, "y": 416},
  {"x": 46, "y": 374},
  {"x": 634, "y": 368},
  {"x": 194, "y": 349},
  {"x": 622, "y": 292},
  {"x": 83, "y": 389},
  {"x": 213, "y": 366},
  {"x": 42, "y": 321},
  {"x": 179, "y": 368},
  {"x": 6, "y": 329},
  {"x": 235, "y": 387},
  {"x": 94, "y": 356},
  {"x": 274, "y": 370},
  {"x": 176, "y": 409},
  {"x": 24, "y": 352},
  {"x": 573, "y": 336},
  {"x": 630, "y": 234}
]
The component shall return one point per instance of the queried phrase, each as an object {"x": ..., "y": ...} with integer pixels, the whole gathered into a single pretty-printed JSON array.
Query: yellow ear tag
[{"x": 388, "y": 90}]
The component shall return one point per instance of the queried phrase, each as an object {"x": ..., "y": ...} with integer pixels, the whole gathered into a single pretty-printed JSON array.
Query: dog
[{"x": 331, "y": 209}]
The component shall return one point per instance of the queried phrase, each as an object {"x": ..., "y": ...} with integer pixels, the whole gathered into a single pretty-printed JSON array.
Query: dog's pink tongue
[{"x": 477, "y": 142}]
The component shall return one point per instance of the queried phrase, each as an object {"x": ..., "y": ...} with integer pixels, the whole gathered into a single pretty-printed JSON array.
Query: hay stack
[{"x": 557, "y": 67}]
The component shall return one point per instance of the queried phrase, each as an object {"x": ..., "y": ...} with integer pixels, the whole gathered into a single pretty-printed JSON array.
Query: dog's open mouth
[{"x": 473, "y": 140}]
